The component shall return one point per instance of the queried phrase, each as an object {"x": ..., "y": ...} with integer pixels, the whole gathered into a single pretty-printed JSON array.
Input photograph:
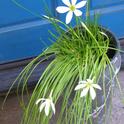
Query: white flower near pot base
[
  {"x": 70, "y": 8},
  {"x": 88, "y": 86},
  {"x": 47, "y": 104}
]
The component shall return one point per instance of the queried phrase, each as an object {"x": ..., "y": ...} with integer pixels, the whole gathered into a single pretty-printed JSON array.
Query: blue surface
[
  {"x": 105, "y": 3},
  {"x": 111, "y": 15},
  {"x": 12, "y": 14},
  {"x": 22, "y": 33},
  {"x": 24, "y": 43}
]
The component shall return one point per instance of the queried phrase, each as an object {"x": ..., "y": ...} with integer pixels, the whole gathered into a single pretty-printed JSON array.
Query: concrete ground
[{"x": 11, "y": 114}]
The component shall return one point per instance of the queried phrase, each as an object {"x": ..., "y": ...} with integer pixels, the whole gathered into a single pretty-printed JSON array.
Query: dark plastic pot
[
  {"x": 101, "y": 115},
  {"x": 103, "y": 112}
]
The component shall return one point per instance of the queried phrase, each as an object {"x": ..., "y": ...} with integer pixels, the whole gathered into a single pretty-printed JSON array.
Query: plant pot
[
  {"x": 115, "y": 57},
  {"x": 100, "y": 115}
]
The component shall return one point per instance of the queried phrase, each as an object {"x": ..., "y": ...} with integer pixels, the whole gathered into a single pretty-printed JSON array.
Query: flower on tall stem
[
  {"x": 88, "y": 86},
  {"x": 47, "y": 104},
  {"x": 70, "y": 8}
]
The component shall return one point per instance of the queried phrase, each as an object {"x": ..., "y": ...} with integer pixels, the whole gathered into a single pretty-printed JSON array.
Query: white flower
[
  {"x": 88, "y": 85},
  {"x": 71, "y": 7},
  {"x": 46, "y": 104}
]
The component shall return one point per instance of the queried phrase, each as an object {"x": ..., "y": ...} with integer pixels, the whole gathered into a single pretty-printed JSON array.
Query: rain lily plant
[
  {"x": 76, "y": 77},
  {"x": 70, "y": 8},
  {"x": 86, "y": 86},
  {"x": 47, "y": 104}
]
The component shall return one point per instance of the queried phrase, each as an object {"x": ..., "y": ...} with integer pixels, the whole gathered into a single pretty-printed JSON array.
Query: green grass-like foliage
[{"x": 78, "y": 54}]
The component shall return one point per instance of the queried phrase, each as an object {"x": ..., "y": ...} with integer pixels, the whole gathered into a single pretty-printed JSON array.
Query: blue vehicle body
[{"x": 22, "y": 33}]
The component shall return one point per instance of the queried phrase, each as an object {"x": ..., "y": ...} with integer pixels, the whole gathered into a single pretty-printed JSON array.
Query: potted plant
[{"x": 76, "y": 87}]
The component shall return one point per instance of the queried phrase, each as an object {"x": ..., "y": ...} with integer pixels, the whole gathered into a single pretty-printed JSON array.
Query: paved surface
[
  {"x": 118, "y": 103},
  {"x": 11, "y": 114}
]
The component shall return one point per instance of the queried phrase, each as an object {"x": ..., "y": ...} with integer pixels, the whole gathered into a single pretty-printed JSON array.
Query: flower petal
[
  {"x": 47, "y": 108},
  {"x": 42, "y": 106},
  {"x": 39, "y": 100},
  {"x": 53, "y": 107},
  {"x": 81, "y": 82},
  {"x": 80, "y": 4},
  {"x": 73, "y": 2},
  {"x": 96, "y": 86},
  {"x": 80, "y": 86},
  {"x": 77, "y": 12},
  {"x": 66, "y": 2},
  {"x": 90, "y": 81},
  {"x": 92, "y": 93},
  {"x": 62, "y": 9},
  {"x": 69, "y": 17},
  {"x": 84, "y": 92}
]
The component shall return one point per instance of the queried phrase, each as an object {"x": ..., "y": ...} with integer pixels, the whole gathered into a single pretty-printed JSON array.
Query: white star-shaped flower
[
  {"x": 71, "y": 7},
  {"x": 47, "y": 104},
  {"x": 88, "y": 86}
]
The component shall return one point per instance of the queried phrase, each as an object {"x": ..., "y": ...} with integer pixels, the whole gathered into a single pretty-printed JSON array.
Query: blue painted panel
[
  {"x": 24, "y": 42},
  {"x": 105, "y": 3},
  {"x": 114, "y": 22},
  {"x": 12, "y": 14},
  {"x": 111, "y": 13},
  {"x": 20, "y": 31}
]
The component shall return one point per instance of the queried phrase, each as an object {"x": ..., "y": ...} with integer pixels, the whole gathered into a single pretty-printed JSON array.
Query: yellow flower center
[
  {"x": 72, "y": 8},
  {"x": 88, "y": 85},
  {"x": 48, "y": 101}
]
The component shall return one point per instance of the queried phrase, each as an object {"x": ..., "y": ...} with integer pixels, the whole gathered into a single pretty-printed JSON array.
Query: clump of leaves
[{"x": 78, "y": 54}]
